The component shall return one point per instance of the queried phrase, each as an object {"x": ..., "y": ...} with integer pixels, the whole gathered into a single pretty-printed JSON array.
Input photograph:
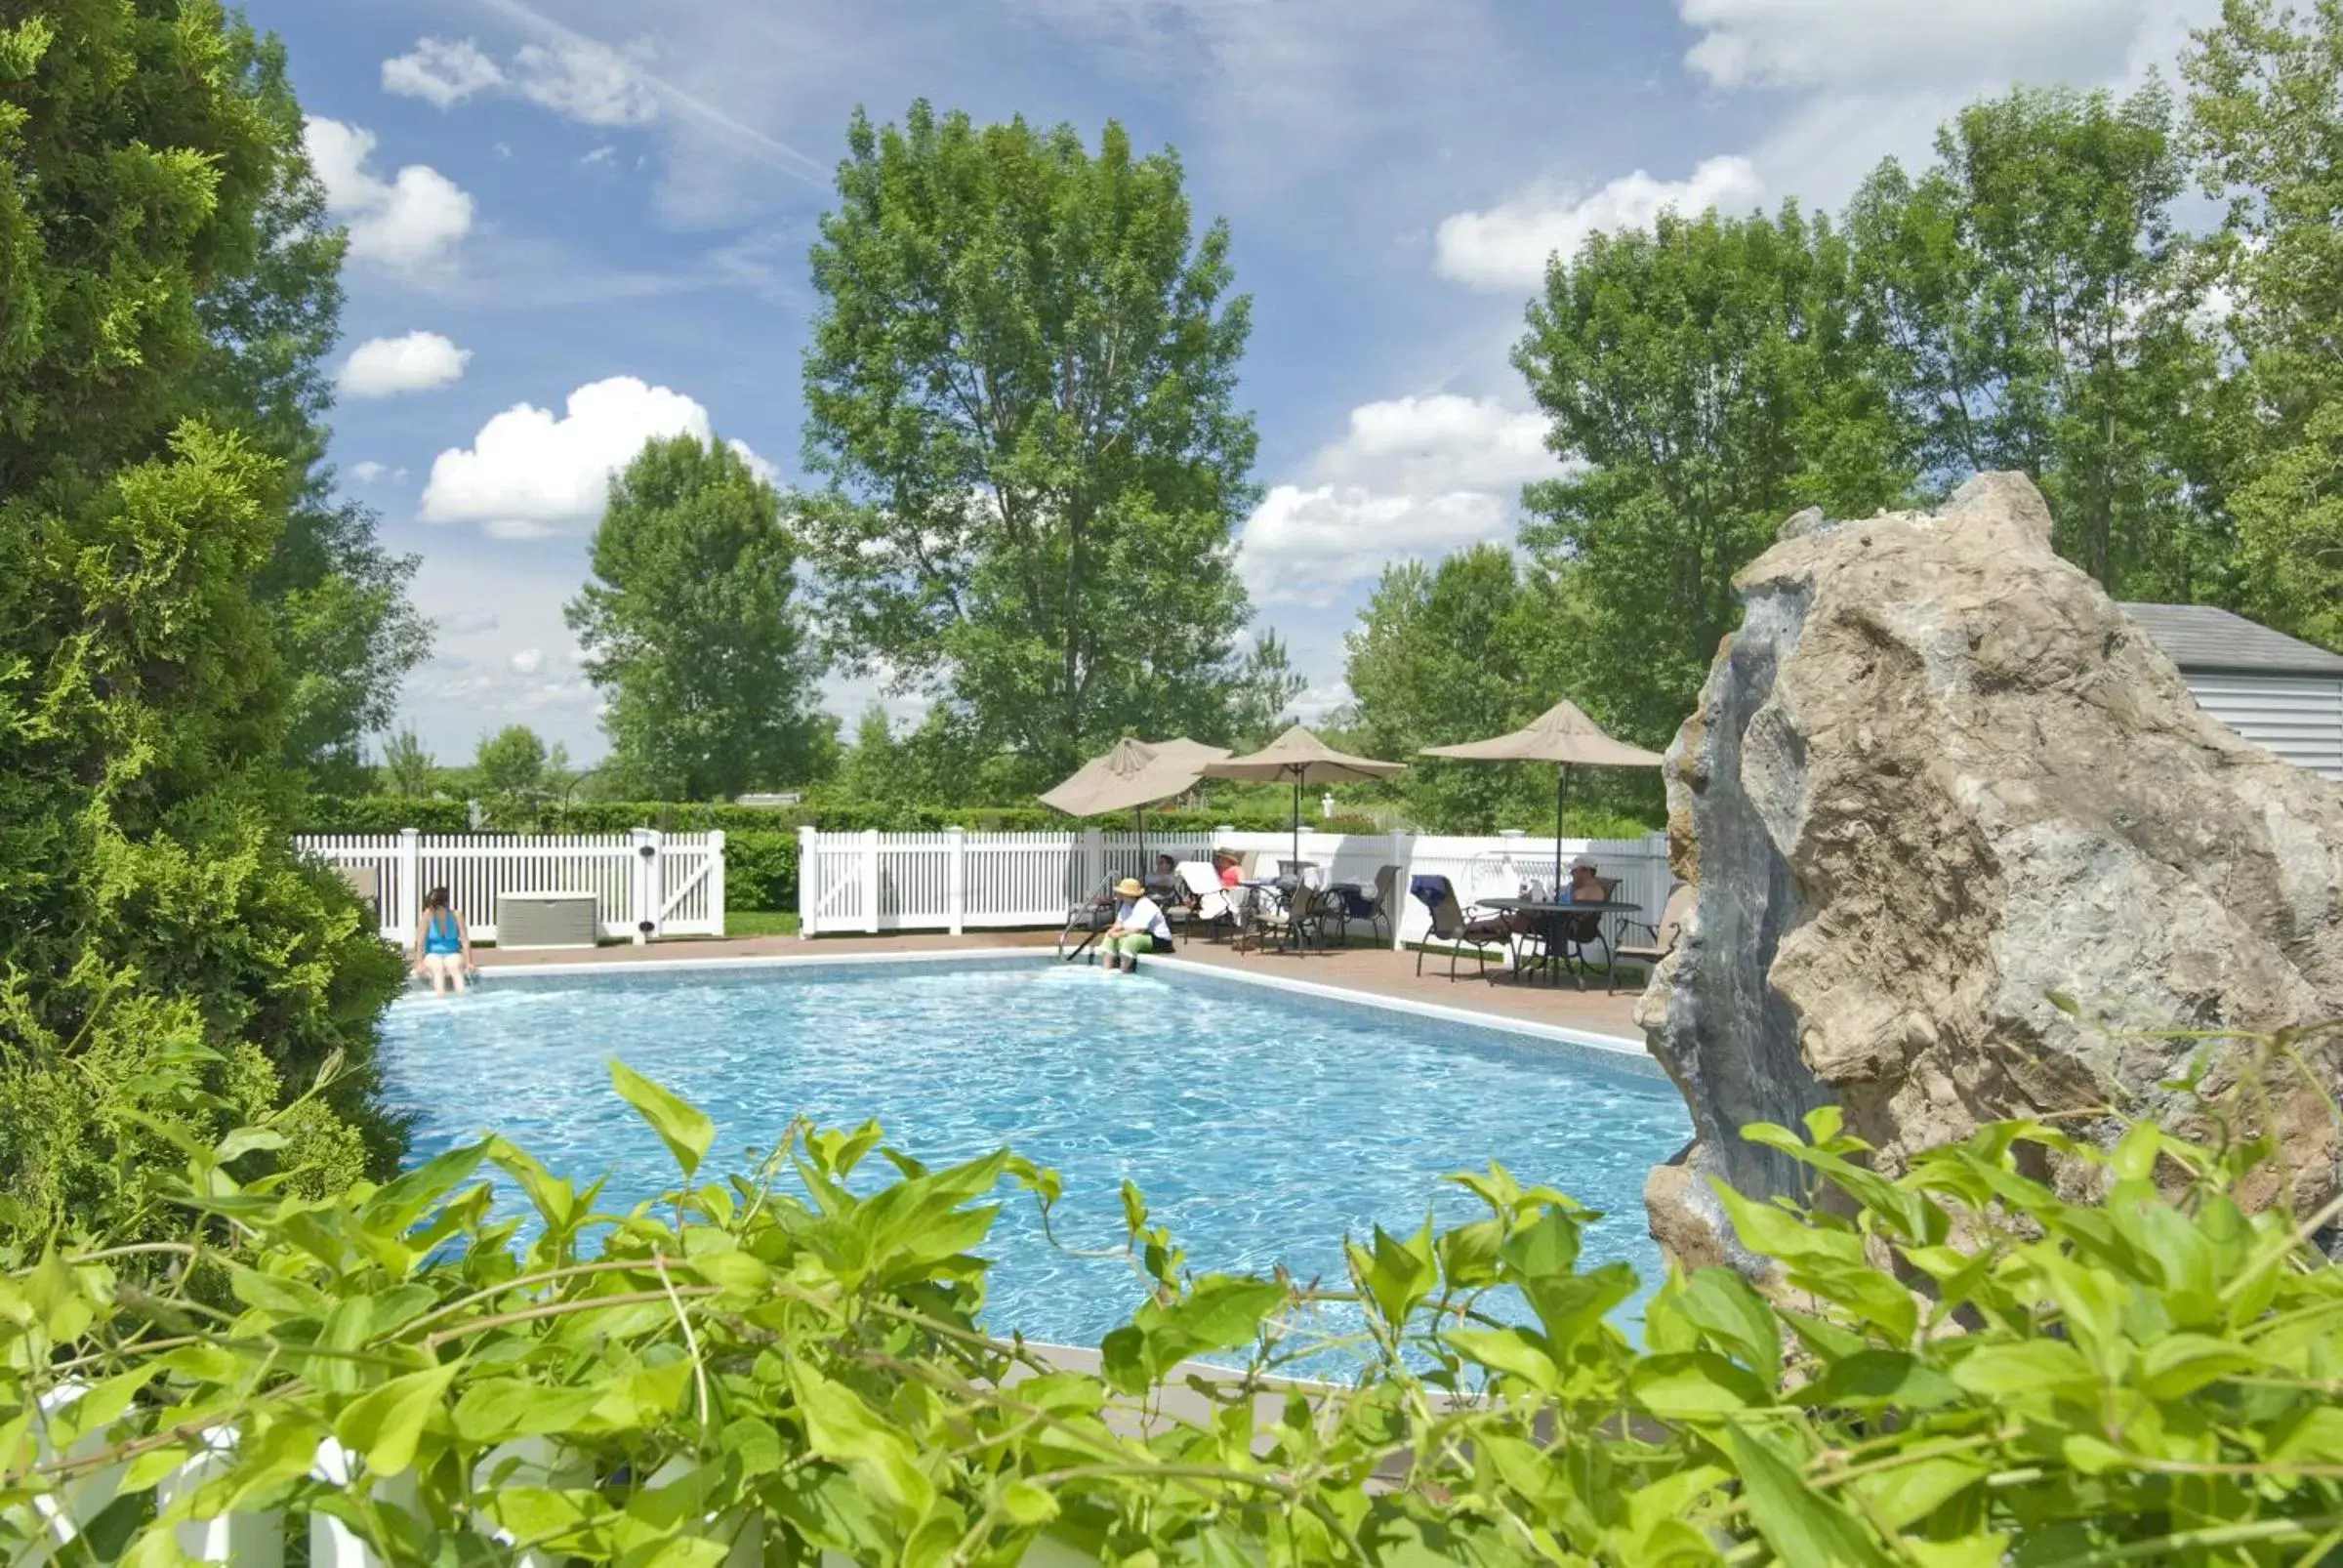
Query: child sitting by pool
[
  {"x": 442, "y": 945},
  {"x": 1139, "y": 927}
]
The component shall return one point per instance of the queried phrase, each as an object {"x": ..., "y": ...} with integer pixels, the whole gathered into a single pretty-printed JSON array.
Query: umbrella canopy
[
  {"x": 1132, "y": 775},
  {"x": 1299, "y": 756},
  {"x": 1563, "y": 735}
]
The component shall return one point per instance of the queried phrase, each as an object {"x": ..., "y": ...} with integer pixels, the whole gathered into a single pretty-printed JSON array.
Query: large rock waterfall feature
[{"x": 1937, "y": 778}]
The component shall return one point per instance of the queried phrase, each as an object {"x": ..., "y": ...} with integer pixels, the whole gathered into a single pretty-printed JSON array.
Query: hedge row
[{"x": 380, "y": 813}]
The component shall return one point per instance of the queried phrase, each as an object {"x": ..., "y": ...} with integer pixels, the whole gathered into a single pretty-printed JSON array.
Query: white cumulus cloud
[
  {"x": 769, "y": 473},
  {"x": 410, "y": 222},
  {"x": 441, "y": 72},
  {"x": 528, "y": 661},
  {"x": 385, "y": 367},
  {"x": 1865, "y": 44},
  {"x": 1412, "y": 477},
  {"x": 1507, "y": 247},
  {"x": 531, "y": 471},
  {"x": 587, "y": 82}
]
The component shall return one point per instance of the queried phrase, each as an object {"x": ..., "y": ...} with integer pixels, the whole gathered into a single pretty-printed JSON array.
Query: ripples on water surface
[{"x": 1261, "y": 1127}]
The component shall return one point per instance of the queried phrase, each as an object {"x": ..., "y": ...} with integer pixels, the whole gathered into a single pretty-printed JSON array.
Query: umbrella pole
[
  {"x": 1561, "y": 791},
  {"x": 1298, "y": 824},
  {"x": 1139, "y": 823}
]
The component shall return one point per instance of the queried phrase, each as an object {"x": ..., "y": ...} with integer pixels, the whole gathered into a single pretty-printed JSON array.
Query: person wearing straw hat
[{"x": 1139, "y": 927}]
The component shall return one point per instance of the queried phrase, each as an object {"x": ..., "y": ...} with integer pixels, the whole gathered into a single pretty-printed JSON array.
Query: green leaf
[
  {"x": 245, "y": 1139},
  {"x": 1870, "y": 1378},
  {"x": 1028, "y": 1505},
  {"x": 385, "y": 1423},
  {"x": 2178, "y": 1365},
  {"x": 1517, "y": 1352},
  {"x": 841, "y": 1428},
  {"x": 1694, "y": 1385},
  {"x": 1731, "y": 1312},
  {"x": 1805, "y": 1529},
  {"x": 2027, "y": 1370},
  {"x": 687, "y": 1131}
]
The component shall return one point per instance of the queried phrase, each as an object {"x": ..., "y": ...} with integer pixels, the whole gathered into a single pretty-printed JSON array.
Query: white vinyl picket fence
[
  {"x": 956, "y": 881},
  {"x": 645, "y": 884}
]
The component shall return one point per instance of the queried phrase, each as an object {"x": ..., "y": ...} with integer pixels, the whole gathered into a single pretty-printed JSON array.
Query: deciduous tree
[
  {"x": 1705, "y": 380},
  {"x": 2039, "y": 304},
  {"x": 690, "y": 625},
  {"x": 1022, "y": 389},
  {"x": 2267, "y": 118}
]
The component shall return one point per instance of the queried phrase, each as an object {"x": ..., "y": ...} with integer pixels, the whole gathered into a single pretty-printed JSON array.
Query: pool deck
[{"x": 1373, "y": 970}]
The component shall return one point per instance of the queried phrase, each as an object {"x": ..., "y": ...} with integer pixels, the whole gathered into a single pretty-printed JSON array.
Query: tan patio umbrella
[
  {"x": 1301, "y": 758},
  {"x": 1133, "y": 776},
  {"x": 1562, "y": 735}
]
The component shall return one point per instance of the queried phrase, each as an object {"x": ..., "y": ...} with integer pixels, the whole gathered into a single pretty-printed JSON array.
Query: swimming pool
[{"x": 1262, "y": 1126}]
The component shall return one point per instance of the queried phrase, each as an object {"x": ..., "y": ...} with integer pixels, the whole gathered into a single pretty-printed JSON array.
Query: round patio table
[{"x": 1553, "y": 917}]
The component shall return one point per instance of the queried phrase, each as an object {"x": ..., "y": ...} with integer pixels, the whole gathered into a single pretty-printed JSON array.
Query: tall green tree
[
  {"x": 1438, "y": 657},
  {"x": 1022, "y": 389},
  {"x": 2040, "y": 303},
  {"x": 691, "y": 625},
  {"x": 1705, "y": 380},
  {"x": 508, "y": 767},
  {"x": 408, "y": 765},
  {"x": 151, "y": 905},
  {"x": 2267, "y": 123},
  {"x": 344, "y": 628}
]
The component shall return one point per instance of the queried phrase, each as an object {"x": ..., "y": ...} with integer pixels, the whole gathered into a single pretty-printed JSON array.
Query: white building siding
[{"x": 2300, "y": 717}]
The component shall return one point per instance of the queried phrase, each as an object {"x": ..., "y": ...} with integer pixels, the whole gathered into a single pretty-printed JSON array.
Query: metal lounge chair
[
  {"x": 1380, "y": 907},
  {"x": 1452, "y": 924},
  {"x": 1580, "y": 932},
  {"x": 1664, "y": 935}
]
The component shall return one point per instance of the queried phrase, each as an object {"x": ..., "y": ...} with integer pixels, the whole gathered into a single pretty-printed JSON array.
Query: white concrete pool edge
[
  {"x": 1552, "y": 1033},
  {"x": 1627, "y": 1051}
]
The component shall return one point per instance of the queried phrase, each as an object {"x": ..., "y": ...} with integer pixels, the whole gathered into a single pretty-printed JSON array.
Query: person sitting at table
[
  {"x": 1224, "y": 861},
  {"x": 1584, "y": 888},
  {"x": 1140, "y": 927}
]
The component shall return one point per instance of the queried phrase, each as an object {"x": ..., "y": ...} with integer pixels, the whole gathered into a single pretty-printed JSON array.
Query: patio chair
[
  {"x": 1669, "y": 931},
  {"x": 1581, "y": 931},
  {"x": 1377, "y": 906},
  {"x": 1299, "y": 914},
  {"x": 1453, "y": 925},
  {"x": 1206, "y": 901}
]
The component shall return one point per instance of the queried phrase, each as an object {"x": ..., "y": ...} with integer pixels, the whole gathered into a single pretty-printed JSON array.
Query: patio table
[{"x": 1553, "y": 916}]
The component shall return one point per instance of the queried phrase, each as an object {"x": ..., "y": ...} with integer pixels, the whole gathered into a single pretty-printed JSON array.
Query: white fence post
[
  {"x": 958, "y": 896},
  {"x": 409, "y": 908},
  {"x": 870, "y": 881},
  {"x": 1403, "y": 856},
  {"x": 809, "y": 862},
  {"x": 715, "y": 879},
  {"x": 646, "y": 901},
  {"x": 1094, "y": 860}
]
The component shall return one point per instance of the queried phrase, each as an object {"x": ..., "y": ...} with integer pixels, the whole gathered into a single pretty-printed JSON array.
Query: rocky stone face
[{"x": 1937, "y": 778}]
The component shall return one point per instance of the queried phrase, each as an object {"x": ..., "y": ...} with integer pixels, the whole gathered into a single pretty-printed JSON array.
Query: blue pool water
[{"x": 1262, "y": 1127}]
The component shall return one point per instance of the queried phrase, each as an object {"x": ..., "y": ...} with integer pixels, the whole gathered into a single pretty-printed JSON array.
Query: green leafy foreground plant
[{"x": 1975, "y": 1370}]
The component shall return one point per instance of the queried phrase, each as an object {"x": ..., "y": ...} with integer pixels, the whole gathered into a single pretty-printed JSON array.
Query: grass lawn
[{"x": 760, "y": 922}]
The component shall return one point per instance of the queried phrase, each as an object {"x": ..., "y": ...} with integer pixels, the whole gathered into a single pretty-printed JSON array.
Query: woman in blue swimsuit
[{"x": 442, "y": 946}]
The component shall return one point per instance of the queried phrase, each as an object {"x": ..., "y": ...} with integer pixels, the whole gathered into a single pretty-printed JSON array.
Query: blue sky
[{"x": 577, "y": 223}]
